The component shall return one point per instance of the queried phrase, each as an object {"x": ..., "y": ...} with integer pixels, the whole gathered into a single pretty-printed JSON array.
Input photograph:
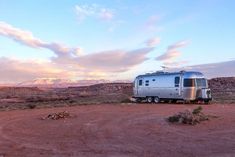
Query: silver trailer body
[{"x": 188, "y": 86}]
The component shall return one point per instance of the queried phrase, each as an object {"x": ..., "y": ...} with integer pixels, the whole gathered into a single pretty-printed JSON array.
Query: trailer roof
[{"x": 186, "y": 74}]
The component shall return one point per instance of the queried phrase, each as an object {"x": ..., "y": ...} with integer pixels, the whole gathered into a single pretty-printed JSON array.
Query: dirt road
[{"x": 117, "y": 130}]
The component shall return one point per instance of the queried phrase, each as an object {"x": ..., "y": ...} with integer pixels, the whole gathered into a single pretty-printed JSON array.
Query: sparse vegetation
[
  {"x": 72, "y": 101},
  {"x": 197, "y": 110},
  {"x": 127, "y": 100},
  {"x": 57, "y": 116},
  {"x": 188, "y": 117},
  {"x": 31, "y": 106}
]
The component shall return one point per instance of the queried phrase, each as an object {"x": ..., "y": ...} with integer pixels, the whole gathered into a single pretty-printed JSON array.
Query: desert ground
[
  {"x": 103, "y": 122},
  {"x": 117, "y": 130}
]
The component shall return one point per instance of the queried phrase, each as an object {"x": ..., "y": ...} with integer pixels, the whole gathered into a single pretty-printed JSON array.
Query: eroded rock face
[
  {"x": 8, "y": 92},
  {"x": 227, "y": 83},
  {"x": 223, "y": 89},
  {"x": 104, "y": 88}
]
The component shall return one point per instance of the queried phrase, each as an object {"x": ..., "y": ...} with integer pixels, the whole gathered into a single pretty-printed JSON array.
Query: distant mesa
[{"x": 63, "y": 83}]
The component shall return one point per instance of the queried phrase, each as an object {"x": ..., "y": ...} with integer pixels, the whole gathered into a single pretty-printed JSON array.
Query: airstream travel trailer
[{"x": 187, "y": 86}]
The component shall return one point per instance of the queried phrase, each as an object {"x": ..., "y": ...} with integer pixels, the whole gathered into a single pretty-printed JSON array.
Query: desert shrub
[
  {"x": 72, "y": 101},
  {"x": 57, "y": 116},
  {"x": 31, "y": 106},
  {"x": 8, "y": 96},
  {"x": 126, "y": 100},
  {"x": 34, "y": 99},
  {"x": 188, "y": 117},
  {"x": 197, "y": 110}
]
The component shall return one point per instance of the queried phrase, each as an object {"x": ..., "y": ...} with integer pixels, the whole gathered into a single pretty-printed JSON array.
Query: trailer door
[
  {"x": 138, "y": 87},
  {"x": 177, "y": 87}
]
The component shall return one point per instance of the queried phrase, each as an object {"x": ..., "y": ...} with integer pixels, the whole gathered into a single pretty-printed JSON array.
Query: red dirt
[{"x": 117, "y": 130}]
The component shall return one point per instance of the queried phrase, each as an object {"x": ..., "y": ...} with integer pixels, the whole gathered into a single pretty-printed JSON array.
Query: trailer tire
[
  {"x": 156, "y": 99},
  {"x": 149, "y": 99},
  {"x": 207, "y": 102},
  {"x": 138, "y": 100}
]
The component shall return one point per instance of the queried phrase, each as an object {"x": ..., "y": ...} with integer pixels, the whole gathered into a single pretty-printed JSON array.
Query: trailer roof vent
[
  {"x": 154, "y": 73},
  {"x": 161, "y": 72}
]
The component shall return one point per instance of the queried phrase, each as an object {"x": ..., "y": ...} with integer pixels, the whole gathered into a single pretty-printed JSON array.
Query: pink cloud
[
  {"x": 67, "y": 62},
  {"x": 17, "y": 70},
  {"x": 24, "y": 37},
  {"x": 109, "y": 61},
  {"x": 27, "y": 38},
  {"x": 172, "y": 53},
  {"x": 153, "y": 42}
]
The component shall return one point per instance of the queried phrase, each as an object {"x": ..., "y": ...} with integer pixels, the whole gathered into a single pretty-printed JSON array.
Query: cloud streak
[
  {"x": 24, "y": 37},
  {"x": 212, "y": 70},
  {"x": 153, "y": 42},
  {"x": 95, "y": 11},
  {"x": 172, "y": 53},
  {"x": 114, "y": 61},
  {"x": 16, "y": 71},
  {"x": 68, "y": 61},
  {"x": 28, "y": 39}
]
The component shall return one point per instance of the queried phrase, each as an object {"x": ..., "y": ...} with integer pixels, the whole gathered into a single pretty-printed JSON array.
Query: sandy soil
[{"x": 117, "y": 130}]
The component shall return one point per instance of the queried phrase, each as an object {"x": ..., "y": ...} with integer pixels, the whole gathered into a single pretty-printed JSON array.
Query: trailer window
[
  {"x": 189, "y": 83},
  {"x": 147, "y": 83},
  {"x": 140, "y": 82},
  {"x": 201, "y": 82},
  {"x": 177, "y": 81}
]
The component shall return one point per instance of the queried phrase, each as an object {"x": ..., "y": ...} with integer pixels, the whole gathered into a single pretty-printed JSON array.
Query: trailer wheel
[
  {"x": 207, "y": 102},
  {"x": 149, "y": 99},
  {"x": 138, "y": 100},
  {"x": 156, "y": 99}
]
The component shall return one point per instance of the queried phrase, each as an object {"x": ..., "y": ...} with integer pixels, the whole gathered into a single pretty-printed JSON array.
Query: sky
[{"x": 114, "y": 40}]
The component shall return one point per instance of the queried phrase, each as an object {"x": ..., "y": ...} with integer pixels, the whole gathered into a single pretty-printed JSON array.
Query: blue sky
[{"x": 112, "y": 39}]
